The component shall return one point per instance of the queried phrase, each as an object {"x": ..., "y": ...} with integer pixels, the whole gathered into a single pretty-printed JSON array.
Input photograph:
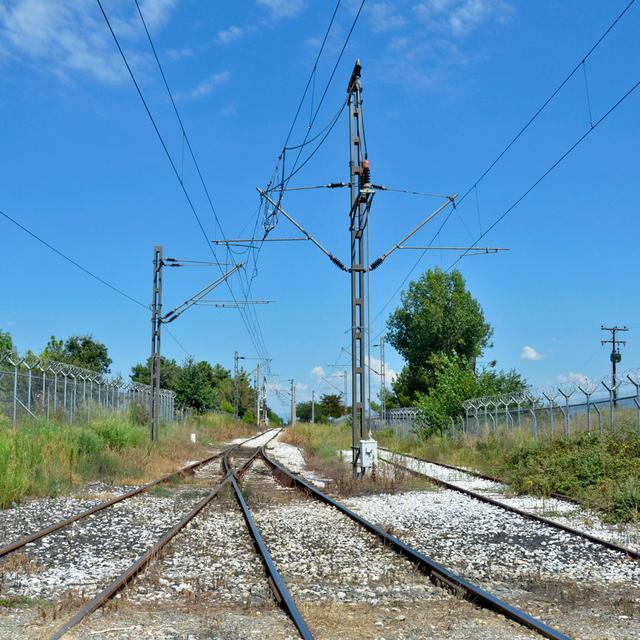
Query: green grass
[
  {"x": 601, "y": 470},
  {"x": 45, "y": 459},
  {"x": 319, "y": 440}
]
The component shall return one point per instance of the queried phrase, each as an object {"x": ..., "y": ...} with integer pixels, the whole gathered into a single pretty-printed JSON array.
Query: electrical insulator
[{"x": 365, "y": 175}]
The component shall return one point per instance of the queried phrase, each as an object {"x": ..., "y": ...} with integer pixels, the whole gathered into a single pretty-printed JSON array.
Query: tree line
[{"x": 199, "y": 386}]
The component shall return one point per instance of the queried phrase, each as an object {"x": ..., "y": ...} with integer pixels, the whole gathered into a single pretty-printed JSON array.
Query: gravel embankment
[
  {"x": 562, "y": 511},
  {"x": 568, "y": 582},
  {"x": 347, "y": 583}
]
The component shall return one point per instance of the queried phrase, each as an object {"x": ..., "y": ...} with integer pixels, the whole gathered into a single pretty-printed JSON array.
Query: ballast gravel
[
  {"x": 565, "y": 580},
  {"x": 337, "y": 571},
  {"x": 562, "y": 511}
]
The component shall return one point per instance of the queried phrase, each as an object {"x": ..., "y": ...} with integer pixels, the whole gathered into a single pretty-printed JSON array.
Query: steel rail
[
  {"x": 136, "y": 567},
  {"x": 635, "y": 555},
  {"x": 141, "y": 563},
  {"x": 436, "y": 572},
  {"x": 277, "y": 584},
  {"x": 477, "y": 474},
  {"x": 21, "y": 542}
]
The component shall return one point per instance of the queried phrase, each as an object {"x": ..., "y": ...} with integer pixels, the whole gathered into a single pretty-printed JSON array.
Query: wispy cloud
[
  {"x": 573, "y": 378},
  {"x": 230, "y": 34},
  {"x": 179, "y": 54},
  {"x": 66, "y": 36},
  {"x": 279, "y": 9},
  {"x": 529, "y": 353},
  {"x": 426, "y": 42},
  {"x": 206, "y": 87},
  {"x": 461, "y": 17},
  {"x": 385, "y": 16},
  {"x": 318, "y": 372}
]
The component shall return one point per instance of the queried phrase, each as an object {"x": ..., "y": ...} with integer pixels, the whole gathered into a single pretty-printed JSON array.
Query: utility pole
[
  {"x": 383, "y": 390},
  {"x": 265, "y": 405},
  {"x": 313, "y": 407},
  {"x": 361, "y": 194},
  {"x": 293, "y": 403},
  {"x": 156, "y": 324},
  {"x": 158, "y": 319},
  {"x": 236, "y": 390},
  {"x": 615, "y": 356},
  {"x": 258, "y": 396}
]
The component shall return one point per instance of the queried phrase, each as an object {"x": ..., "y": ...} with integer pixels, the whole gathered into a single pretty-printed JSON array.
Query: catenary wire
[
  {"x": 170, "y": 158},
  {"x": 82, "y": 268},
  {"x": 255, "y": 319},
  {"x": 513, "y": 140}
]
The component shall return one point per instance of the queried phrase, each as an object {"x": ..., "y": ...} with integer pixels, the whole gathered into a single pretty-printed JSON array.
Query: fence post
[
  {"x": 611, "y": 388},
  {"x": 15, "y": 393},
  {"x": 534, "y": 418},
  {"x": 634, "y": 379},
  {"x": 566, "y": 392}
]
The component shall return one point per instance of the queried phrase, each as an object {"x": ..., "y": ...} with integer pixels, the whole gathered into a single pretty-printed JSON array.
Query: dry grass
[{"x": 322, "y": 446}]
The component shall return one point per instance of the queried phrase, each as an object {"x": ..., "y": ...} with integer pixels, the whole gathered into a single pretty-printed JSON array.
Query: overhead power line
[
  {"x": 510, "y": 144},
  {"x": 84, "y": 269},
  {"x": 252, "y": 334},
  {"x": 550, "y": 169}
]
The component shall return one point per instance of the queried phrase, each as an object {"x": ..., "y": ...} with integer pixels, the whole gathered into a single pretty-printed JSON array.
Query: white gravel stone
[{"x": 562, "y": 511}]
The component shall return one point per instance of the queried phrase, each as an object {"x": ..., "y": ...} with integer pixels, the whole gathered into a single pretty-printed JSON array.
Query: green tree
[
  {"x": 169, "y": 373},
  {"x": 6, "y": 343},
  {"x": 194, "y": 387},
  {"x": 455, "y": 382},
  {"x": 331, "y": 405},
  {"x": 81, "y": 351},
  {"x": 438, "y": 315},
  {"x": 303, "y": 412}
]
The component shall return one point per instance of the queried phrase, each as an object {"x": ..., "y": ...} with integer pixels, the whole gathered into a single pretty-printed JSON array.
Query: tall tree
[
  {"x": 194, "y": 387},
  {"x": 81, "y": 351},
  {"x": 331, "y": 405},
  {"x": 438, "y": 315},
  {"x": 6, "y": 343},
  {"x": 169, "y": 373}
]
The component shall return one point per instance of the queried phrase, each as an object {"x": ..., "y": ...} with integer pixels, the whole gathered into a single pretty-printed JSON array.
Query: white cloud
[
  {"x": 279, "y": 9},
  {"x": 178, "y": 54},
  {"x": 207, "y": 86},
  {"x": 318, "y": 372},
  {"x": 230, "y": 34},
  {"x": 385, "y": 16},
  {"x": 529, "y": 353},
  {"x": 573, "y": 378},
  {"x": 65, "y": 36},
  {"x": 461, "y": 17}
]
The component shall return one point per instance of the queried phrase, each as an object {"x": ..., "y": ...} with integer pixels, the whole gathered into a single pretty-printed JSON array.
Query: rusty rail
[
  {"x": 437, "y": 573},
  {"x": 21, "y": 542},
  {"x": 635, "y": 555}
]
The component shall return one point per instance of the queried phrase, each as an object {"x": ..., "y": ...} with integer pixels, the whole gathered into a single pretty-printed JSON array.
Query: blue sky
[{"x": 447, "y": 83}]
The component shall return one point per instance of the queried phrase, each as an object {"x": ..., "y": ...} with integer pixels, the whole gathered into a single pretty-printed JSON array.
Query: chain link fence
[
  {"x": 401, "y": 421},
  {"x": 32, "y": 388},
  {"x": 586, "y": 405}
]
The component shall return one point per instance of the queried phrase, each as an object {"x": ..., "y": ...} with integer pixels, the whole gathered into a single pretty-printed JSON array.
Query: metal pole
[
  {"x": 293, "y": 403},
  {"x": 236, "y": 393},
  {"x": 360, "y": 182},
  {"x": 383, "y": 373},
  {"x": 313, "y": 407},
  {"x": 258, "y": 396},
  {"x": 15, "y": 393},
  {"x": 615, "y": 357},
  {"x": 156, "y": 325}
]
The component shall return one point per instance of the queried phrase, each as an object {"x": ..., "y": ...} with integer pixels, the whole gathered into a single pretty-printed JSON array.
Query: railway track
[
  {"x": 61, "y": 524},
  {"x": 417, "y": 466},
  {"x": 437, "y": 573},
  {"x": 206, "y": 473},
  {"x": 252, "y": 479}
]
